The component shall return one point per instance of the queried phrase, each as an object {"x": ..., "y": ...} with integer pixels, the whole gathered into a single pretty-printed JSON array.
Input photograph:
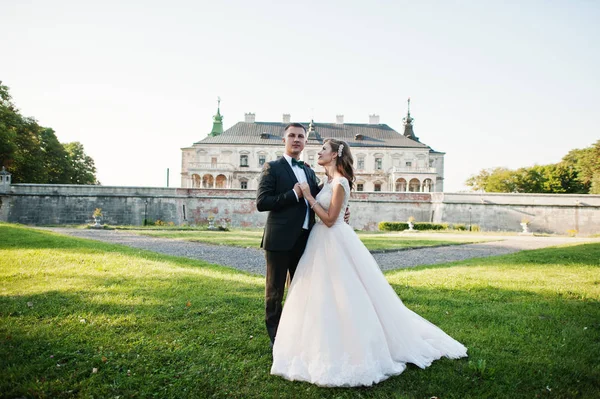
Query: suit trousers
[{"x": 279, "y": 263}]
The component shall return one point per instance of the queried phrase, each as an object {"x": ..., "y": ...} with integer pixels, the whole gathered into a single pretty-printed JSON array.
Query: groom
[{"x": 290, "y": 218}]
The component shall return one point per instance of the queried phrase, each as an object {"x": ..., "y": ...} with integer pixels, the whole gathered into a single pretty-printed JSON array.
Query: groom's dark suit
[{"x": 284, "y": 238}]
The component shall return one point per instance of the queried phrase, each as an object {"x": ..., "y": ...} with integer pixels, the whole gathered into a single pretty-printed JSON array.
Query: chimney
[
  {"x": 250, "y": 117},
  {"x": 373, "y": 119},
  {"x": 286, "y": 118},
  {"x": 339, "y": 119}
]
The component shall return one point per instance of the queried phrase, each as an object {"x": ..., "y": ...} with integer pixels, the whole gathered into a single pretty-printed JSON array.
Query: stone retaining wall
[{"x": 40, "y": 204}]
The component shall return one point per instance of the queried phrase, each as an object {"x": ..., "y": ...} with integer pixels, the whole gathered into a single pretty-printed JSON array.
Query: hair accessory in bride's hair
[{"x": 340, "y": 149}]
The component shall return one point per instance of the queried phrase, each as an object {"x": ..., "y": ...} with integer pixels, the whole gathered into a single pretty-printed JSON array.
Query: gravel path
[{"x": 252, "y": 260}]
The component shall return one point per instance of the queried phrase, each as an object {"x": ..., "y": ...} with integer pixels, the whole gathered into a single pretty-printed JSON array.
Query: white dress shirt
[{"x": 301, "y": 177}]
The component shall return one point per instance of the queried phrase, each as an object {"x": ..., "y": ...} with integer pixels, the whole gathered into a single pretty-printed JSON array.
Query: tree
[
  {"x": 586, "y": 162},
  {"x": 83, "y": 168},
  {"x": 9, "y": 119},
  {"x": 496, "y": 180},
  {"x": 33, "y": 154},
  {"x": 57, "y": 162},
  {"x": 577, "y": 173},
  {"x": 28, "y": 160}
]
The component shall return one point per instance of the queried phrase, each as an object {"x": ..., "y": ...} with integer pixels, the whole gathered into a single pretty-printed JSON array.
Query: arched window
[
  {"x": 414, "y": 186},
  {"x": 401, "y": 184},
  {"x": 208, "y": 181},
  {"x": 221, "y": 181},
  {"x": 427, "y": 185},
  {"x": 196, "y": 182}
]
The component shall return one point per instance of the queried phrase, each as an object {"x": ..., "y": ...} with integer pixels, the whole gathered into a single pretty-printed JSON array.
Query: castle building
[{"x": 384, "y": 159}]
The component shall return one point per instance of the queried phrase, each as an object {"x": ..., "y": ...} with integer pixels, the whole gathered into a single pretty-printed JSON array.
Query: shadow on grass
[
  {"x": 14, "y": 237},
  {"x": 521, "y": 343},
  {"x": 161, "y": 339}
]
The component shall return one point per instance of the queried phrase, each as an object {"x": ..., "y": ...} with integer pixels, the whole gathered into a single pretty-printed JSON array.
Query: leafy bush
[
  {"x": 428, "y": 226},
  {"x": 400, "y": 226},
  {"x": 393, "y": 226},
  {"x": 157, "y": 222}
]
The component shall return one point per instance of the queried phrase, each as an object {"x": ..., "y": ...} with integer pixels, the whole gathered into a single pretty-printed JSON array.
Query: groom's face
[{"x": 295, "y": 140}]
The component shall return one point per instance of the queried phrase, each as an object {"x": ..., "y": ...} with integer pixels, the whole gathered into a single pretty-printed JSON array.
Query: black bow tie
[{"x": 296, "y": 162}]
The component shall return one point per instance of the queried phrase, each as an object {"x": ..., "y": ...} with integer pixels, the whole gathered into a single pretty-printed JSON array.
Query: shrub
[
  {"x": 393, "y": 226},
  {"x": 428, "y": 226},
  {"x": 400, "y": 226}
]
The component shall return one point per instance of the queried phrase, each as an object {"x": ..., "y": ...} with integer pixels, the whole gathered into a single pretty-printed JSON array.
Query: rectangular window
[
  {"x": 213, "y": 162},
  {"x": 378, "y": 163},
  {"x": 360, "y": 164},
  {"x": 261, "y": 160},
  {"x": 360, "y": 187},
  {"x": 244, "y": 185},
  {"x": 408, "y": 164},
  {"x": 377, "y": 187},
  {"x": 243, "y": 160}
]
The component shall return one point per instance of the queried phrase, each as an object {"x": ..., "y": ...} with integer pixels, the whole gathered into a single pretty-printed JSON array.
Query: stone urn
[
  {"x": 411, "y": 225},
  {"x": 525, "y": 226},
  {"x": 97, "y": 216},
  {"x": 211, "y": 222}
]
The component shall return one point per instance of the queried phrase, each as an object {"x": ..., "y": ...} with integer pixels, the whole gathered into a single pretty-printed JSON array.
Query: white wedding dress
[{"x": 342, "y": 323}]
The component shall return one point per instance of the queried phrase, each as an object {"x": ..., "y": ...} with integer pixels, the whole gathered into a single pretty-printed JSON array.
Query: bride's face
[{"x": 326, "y": 155}]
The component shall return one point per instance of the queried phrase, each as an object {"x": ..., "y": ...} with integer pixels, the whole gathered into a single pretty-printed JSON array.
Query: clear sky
[{"x": 510, "y": 83}]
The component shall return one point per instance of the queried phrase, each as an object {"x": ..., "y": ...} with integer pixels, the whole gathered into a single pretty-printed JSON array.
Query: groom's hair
[{"x": 294, "y": 124}]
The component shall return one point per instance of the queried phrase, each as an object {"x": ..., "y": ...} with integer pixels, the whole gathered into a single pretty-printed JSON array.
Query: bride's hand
[{"x": 305, "y": 190}]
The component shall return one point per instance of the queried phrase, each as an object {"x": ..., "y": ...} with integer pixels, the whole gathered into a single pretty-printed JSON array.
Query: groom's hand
[
  {"x": 298, "y": 190},
  {"x": 347, "y": 215}
]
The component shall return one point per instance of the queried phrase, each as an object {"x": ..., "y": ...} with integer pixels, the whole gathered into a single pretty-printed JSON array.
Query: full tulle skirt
[{"x": 344, "y": 325}]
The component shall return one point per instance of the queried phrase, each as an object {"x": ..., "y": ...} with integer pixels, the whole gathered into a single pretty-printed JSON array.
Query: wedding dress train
[{"x": 342, "y": 323}]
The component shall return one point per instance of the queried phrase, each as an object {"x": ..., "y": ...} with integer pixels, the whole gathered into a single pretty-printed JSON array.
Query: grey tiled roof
[{"x": 380, "y": 135}]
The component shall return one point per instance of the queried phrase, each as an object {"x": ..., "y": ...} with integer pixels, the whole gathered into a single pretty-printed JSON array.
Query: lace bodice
[{"x": 324, "y": 196}]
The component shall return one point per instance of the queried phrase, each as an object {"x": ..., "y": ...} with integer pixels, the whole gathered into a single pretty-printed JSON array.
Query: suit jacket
[{"x": 286, "y": 214}]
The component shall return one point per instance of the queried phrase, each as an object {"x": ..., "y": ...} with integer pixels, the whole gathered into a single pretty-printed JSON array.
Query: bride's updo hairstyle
[{"x": 345, "y": 161}]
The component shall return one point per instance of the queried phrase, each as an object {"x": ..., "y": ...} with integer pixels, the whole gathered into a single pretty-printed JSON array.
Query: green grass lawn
[
  {"x": 80, "y": 318},
  {"x": 251, "y": 238}
]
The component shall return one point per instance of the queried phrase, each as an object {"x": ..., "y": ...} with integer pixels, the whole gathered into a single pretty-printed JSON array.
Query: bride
[{"x": 342, "y": 323}]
